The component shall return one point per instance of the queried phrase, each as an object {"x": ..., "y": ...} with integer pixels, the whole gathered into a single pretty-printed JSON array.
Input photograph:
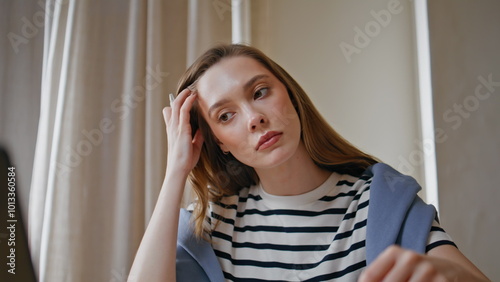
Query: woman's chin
[{"x": 271, "y": 159}]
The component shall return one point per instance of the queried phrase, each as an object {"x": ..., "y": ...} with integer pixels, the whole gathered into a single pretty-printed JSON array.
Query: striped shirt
[{"x": 316, "y": 236}]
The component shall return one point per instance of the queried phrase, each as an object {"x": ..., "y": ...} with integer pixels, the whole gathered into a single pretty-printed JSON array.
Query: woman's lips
[{"x": 268, "y": 139}]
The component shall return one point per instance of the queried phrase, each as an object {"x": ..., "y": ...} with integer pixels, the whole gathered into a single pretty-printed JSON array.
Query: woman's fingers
[
  {"x": 426, "y": 272},
  {"x": 394, "y": 264},
  {"x": 184, "y": 148},
  {"x": 405, "y": 267},
  {"x": 380, "y": 266},
  {"x": 182, "y": 105},
  {"x": 398, "y": 264},
  {"x": 186, "y": 108},
  {"x": 179, "y": 101}
]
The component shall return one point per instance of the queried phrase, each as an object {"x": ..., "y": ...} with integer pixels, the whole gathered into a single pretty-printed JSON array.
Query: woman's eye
[
  {"x": 225, "y": 117},
  {"x": 260, "y": 93}
]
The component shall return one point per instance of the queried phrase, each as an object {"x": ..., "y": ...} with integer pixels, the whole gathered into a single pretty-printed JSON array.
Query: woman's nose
[{"x": 255, "y": 121}]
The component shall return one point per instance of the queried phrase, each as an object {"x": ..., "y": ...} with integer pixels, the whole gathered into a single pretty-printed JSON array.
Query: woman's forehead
[
  {"x": 229, "y": 73},
  {"x": 227, "y": 77}
]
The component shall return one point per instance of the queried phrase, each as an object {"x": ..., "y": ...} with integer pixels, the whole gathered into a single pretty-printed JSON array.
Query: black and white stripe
[{"x": 317, "y": 236}]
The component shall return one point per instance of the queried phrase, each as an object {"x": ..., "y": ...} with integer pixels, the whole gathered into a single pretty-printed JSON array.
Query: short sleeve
[{"x": 438, "y": 237}]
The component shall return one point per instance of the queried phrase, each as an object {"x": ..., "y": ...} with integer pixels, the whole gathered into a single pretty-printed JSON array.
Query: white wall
[
  {"x": 369, "y": 96},
  {"x": 465, "y": 44}
]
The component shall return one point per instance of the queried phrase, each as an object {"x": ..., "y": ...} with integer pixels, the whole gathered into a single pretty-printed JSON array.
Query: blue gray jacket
[{"x": 396, "y": 215}]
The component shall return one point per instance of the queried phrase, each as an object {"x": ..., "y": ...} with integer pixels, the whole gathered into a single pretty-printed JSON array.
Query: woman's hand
[
  {"x": 398, "y": 264},
  {"x": 161, "y": 233},
  {"x": 183, "y": 150}
]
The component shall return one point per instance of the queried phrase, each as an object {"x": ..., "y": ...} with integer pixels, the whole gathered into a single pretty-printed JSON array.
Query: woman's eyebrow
[
  {"x": 217, "y": 105},
  {"x": 252, "y": 80}
]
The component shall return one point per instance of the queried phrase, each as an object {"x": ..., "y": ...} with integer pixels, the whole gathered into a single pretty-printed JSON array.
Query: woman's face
[{"x": 249, "y": 112}]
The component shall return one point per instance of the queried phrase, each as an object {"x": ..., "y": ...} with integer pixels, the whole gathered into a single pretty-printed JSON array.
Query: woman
[{"x": 280, "y": 195}]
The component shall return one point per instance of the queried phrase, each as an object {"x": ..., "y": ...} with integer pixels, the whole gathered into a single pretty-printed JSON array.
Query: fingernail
[{"x": 171, "y": 97}]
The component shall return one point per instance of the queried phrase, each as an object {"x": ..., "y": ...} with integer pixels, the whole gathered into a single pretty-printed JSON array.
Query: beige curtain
[{"x": 101, "y": 148}]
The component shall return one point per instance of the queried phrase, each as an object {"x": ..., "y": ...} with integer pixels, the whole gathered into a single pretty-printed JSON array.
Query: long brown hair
[{"x": 218, "y": 174}]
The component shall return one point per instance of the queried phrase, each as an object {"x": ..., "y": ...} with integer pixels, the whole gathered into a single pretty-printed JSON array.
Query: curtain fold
[
  {"x": 48, "y": 104},
  {"x": 209, "y": 23},
  {"x": 100, "y": 155}
]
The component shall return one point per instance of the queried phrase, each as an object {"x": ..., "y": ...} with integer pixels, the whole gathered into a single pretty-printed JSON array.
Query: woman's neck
[{"x": 296, "y": 176}]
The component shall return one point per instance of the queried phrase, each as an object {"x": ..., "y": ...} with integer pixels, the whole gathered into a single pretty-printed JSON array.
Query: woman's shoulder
[
  {"x": 232, "y": 201},
  {"x": 351, "y": 182}
]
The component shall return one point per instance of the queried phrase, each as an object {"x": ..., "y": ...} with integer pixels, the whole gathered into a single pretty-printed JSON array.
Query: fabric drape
[{"x": 100, "y": 156}]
